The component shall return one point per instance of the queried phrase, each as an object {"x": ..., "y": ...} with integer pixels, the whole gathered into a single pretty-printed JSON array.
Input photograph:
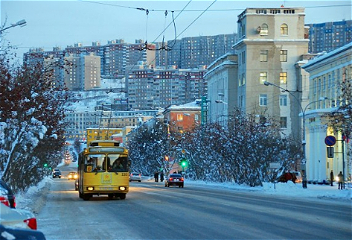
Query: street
[{"x": 152, "y": 211}]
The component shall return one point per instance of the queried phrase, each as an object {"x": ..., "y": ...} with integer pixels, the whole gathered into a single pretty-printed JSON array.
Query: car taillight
[
  {"x": 31, "y": 223},
  {"x": 170, "y": 179},
  {"x": 181, "y": 178},
  {"x": 4, "y": 200}
]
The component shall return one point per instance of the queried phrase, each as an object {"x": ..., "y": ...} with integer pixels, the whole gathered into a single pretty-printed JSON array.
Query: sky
[{"x": 66, "y": 22}]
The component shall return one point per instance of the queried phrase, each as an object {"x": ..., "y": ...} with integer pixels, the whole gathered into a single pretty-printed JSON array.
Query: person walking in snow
[
  {"x": 331, "y": 178},
  {"x": 340, "y": 175},
  {"x": 304, "y": 179}
]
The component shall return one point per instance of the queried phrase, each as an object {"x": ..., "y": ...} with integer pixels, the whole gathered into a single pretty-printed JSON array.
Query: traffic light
[
  {"x": 45, "y": 165},
  {"x": 184, "y": 163}
]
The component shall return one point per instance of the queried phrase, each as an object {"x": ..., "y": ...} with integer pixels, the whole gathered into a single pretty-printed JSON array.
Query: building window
[
  {"x": 283, "y": 122},
  {"x": 264, "y": 29},
  {"x": 284, "y": 29},
  {"x": 283, "y": 55},
  {"x": 283, "y": 77},
  {"x": 263, "y": 100},
  {"x": 179, "y": 117},
  {"x": 263, "y": 77},
  {"x": 263, "y": 55},
  {"x": 283, "y": 100}
]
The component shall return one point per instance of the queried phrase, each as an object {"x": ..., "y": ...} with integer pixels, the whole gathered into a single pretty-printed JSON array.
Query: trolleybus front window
[
  {"x": 118, "y": 163},
  {"x": 94, "y": 162}
]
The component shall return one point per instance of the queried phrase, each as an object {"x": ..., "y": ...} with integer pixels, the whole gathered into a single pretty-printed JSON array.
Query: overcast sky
[{"x": 61, "y": 23}]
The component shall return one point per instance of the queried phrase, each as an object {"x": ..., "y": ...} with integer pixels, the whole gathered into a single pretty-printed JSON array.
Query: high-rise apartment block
[
  {"x": 191, "y": 52},
  {"x": 329, "y": 35},
  {"x": 153, "y": 88}
]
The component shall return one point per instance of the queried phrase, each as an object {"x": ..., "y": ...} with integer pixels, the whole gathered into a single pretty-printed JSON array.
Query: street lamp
[
  {"x": 20, "y": 23},
  {"x": 303, "y": 119}
]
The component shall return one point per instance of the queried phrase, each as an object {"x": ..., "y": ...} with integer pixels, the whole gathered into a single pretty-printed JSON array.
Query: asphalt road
[{"x": 152, "y": 211}]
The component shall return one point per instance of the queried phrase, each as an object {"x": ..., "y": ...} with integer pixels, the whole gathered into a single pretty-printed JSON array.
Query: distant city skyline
[{"x": 62, "y": 23}]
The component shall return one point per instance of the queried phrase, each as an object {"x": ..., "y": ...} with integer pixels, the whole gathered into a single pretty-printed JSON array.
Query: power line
[{"x": 201, "y": 10}]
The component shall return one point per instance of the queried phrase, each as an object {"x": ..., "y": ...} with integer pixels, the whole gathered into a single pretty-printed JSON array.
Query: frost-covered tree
[
  {"x": 31, "y": 117},
  {"x": 148, "y": 145}
]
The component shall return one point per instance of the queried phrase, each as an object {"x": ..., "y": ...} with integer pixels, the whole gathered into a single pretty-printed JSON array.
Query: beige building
[
  {"x": 83, "y": 73},
  {"x": 326, "y": 73},
  {"x": 91, "y": 70},
  {"x": 271, "y": 42}
]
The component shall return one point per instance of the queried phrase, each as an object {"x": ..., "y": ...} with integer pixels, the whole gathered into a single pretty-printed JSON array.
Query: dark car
[
  {"x": 56, "y": 173},
  {"x": 6, "y": 195},
  {"x": 174, "y": 180}
]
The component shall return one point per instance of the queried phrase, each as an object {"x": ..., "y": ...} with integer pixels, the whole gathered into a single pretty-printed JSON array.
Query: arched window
[
  {"x": 264, "y": 29},
  {"x": 284, "y": 29}
]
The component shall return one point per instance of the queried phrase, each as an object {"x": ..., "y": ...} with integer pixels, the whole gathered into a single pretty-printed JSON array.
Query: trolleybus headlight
[
  {"x": 122, "y": 188},
  {"x": 90, "y": 188}
]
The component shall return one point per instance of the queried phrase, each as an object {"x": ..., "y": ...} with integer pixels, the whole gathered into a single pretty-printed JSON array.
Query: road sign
[{"x": 330, "y": 140}]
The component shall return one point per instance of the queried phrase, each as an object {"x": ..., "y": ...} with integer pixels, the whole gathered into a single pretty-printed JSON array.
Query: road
[{"x": 152, "y": 211}]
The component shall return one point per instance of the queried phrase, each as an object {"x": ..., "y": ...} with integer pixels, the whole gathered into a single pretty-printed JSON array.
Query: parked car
[
  {"x": 134, "y": 176},
  {"x": 174, "y": 179},
  {"x": 56, "y": 173},
  {"x": 20, "y": 233},
  {"x": 6, "y": 195},
  {"x": 17, "y": 218},
  {"x": 72, "y": 175}
]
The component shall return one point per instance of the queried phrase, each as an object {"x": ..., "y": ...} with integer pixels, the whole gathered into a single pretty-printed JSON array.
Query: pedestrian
[
  {"x": 331, "y": 178},
  {"x": 156, "y": 176},
  {"x": 304, "y": 179},
  {"x": 161, "y": 177},
  {"x": 340, "y": 181}
]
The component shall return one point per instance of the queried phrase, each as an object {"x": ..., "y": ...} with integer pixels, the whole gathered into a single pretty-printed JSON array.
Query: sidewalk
[{"x": 286, "y": 189}]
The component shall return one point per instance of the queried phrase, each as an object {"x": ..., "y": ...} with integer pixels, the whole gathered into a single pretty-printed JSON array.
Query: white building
[{"x": 326, "y": 72}]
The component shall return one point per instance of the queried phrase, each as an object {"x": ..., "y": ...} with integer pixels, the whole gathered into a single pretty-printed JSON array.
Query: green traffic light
[
  {"x": 45, "y": 165},
  {"x": 184, "y": 163}
]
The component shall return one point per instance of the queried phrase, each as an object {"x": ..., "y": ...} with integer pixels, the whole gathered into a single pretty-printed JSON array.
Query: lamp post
[
  {"x": 20, "y": 23},
  {"x": 303, "y": 119}
]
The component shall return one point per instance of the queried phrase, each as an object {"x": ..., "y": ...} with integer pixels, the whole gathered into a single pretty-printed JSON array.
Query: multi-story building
[
  {"x": 83, "y": 73},
  {"x": 326, "y": 73},
  {"x": 79, "y": 121},
  {"x": 192, "y": 52},
  {"x": 151, "y": 88},
  {"x": 222, "y": 80},
  {"x": 328, "y": 36},
  {"x": 271, "y": 42}
]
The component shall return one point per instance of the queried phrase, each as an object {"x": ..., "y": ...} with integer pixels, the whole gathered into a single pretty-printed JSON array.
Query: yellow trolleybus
[{"x": 103, "y": 169}]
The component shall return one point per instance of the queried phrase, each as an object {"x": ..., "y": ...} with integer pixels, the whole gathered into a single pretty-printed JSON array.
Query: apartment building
[
  {"x": 153, "y": 88},
  {"x": 192, "y": 52},
  {"x": 328, "y": 36}
]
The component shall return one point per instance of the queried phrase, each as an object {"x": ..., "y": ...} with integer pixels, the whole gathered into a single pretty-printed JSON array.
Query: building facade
[
  {"x": 326, "y": 72},
  {"x": 271, "y": 42},
  {"x": 154, "y": 88},
  {"x": 222, "y": 81}
]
